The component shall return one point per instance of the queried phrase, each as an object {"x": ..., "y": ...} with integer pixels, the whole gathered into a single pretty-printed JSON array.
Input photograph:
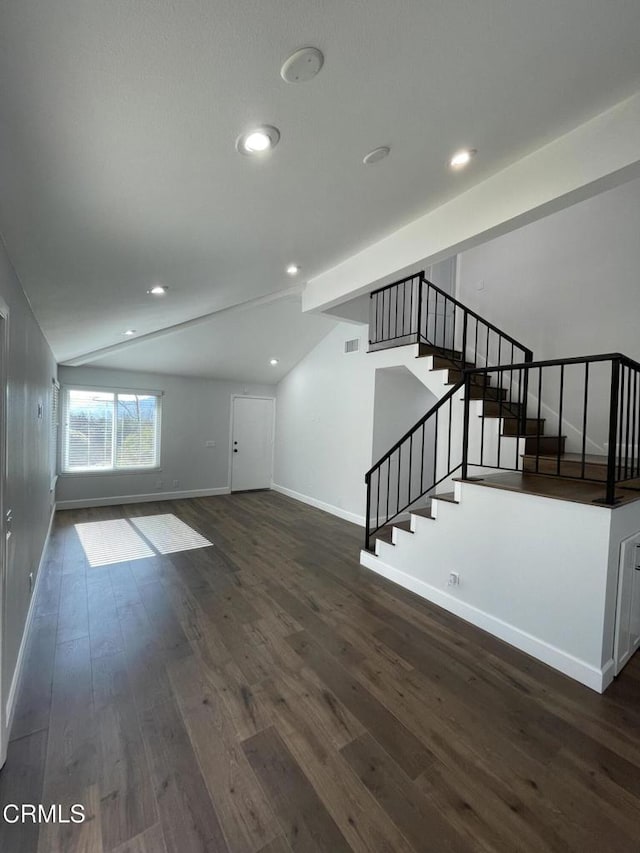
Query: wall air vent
[{"x": 352, "y": 345}]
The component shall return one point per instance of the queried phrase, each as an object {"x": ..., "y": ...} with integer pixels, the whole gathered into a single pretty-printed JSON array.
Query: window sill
[{"x": 111, "y": 472}]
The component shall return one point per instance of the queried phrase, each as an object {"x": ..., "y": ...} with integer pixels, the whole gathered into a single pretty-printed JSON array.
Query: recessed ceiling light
[
  {"x": 273, "y": 361},
  {"x": 293, "y": 269},
  {"x": 302, "y": 65},
  {"x": 258, "y": 140},
  {"x": 462, "y": 157},
  {"x": 129, "y": 332},
  {"x": 376, "y": 155},
  {"x": 157, "y": 290}
]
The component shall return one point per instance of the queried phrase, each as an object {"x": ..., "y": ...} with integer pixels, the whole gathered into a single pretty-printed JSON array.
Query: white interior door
[
  {"x": 252, "y": 443},
  {"x": 627, "y": 635}
]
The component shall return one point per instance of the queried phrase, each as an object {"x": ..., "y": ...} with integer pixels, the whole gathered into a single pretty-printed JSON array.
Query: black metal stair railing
[
  {"x": 575, "y": 418},
  {"x": 414, "y": 310},
  {"x": 425, "y": 456}
]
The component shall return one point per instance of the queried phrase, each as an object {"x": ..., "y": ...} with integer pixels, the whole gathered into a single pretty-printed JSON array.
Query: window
[
  {"x": 55, "y": 422},
  {"x": 110, "y": 430}
]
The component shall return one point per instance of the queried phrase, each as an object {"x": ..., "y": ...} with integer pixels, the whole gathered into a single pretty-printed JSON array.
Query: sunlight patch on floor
[
  {"x": 115, "y": 541},
  {"x": 124, "y": 539},
  {"x": 168, "y": 534}
]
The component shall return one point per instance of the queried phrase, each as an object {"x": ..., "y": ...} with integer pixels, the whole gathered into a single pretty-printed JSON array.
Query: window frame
[{"x": 114, "y": 471}]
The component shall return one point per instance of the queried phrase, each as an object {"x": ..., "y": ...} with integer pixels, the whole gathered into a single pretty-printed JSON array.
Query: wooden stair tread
[
  {"x": 559, "y": 488},
  {"x": 423, "y": 513},
  {"x": 590, "y": 458},
  {"x": 450, "y": 497}
]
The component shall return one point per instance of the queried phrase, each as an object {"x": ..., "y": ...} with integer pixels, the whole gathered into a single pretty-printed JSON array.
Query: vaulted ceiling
[{"x": 118, "y": 122}]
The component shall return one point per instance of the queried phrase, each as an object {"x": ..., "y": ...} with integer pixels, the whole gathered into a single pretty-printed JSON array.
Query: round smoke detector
[
  {"x": 376, "y": 155},
  {"x": 303, "y": 65}
]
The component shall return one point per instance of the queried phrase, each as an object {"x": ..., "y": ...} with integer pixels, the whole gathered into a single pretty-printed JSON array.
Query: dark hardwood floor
[{"x": 269, "y": 694}]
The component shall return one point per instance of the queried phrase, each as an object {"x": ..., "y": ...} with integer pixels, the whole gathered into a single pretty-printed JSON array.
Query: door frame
[
  {"x": 4, "y": 353},
  {"x": 234, "y": 397}
]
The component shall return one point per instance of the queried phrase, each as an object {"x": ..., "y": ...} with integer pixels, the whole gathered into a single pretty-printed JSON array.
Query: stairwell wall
[{"x": 566, "y": 285}]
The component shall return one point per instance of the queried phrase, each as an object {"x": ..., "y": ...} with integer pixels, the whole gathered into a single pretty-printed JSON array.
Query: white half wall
[
  {"x": 194, "y": 411},
  {"x": 537, "y": 572}
]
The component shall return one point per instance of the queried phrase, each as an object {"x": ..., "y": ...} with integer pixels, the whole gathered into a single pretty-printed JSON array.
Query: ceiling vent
[{"x": 352, "y": 345}]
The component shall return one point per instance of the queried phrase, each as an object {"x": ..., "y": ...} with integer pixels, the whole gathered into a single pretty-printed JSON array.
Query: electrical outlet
[
  {"x": 176, "y": 483},
  {"x": 480, "y": 285},
  {"x": 209, "y": 444},
  {"x": 159, "y": 484},
  {"x": 454, "y": 579}
]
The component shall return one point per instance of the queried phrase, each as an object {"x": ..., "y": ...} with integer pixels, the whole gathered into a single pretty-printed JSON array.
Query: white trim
[
  {"x": 334, "y": 510},
  {"x": 17, "y": 672},
  {"x": 580, "y": 670},
  {"x": 117, "y": 500}
]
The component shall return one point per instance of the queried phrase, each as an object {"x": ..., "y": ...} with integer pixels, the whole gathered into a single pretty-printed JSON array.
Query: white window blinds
[{"x": 111, "y": 430}]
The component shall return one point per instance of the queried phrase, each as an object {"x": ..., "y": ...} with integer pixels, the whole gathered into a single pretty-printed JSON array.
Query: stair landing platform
[{"x": 560, "y": 488}]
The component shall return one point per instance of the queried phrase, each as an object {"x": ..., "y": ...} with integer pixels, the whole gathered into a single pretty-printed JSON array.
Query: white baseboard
[
  {"x": 334, "y": 510},
  {"x": 10, "y": 707},
  {"x": 597, "y": 679},
  {"x": 116, "y": 500}
]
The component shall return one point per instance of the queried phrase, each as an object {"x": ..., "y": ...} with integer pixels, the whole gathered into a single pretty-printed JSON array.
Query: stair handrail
[
  {"x": 623, "y": 434},
  {"x": 377, "y": 466},
  {"x": 419, "y": 278}
]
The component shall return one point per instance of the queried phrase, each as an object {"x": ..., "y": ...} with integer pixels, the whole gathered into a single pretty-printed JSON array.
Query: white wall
[
  {"x": 566, "y": 286},
  {"x": 324, "y": 424},
  {"x": 30, "y": 370},
  {"x": 193, "y": 411}
]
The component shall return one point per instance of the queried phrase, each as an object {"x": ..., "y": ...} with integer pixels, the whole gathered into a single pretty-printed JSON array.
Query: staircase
[
  {"x": 539, "y": 571},
  {"x": 564, "y": 428}
]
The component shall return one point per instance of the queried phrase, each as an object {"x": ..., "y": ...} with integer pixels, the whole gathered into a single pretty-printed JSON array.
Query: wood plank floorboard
[{"x": 267, "y": 694}]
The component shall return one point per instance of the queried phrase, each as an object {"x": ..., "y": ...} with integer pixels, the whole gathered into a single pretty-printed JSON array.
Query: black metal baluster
[
  {"x": 627, "y": 371},
  {"x": 558, "y": 464},
  {"x": 368, "y": 519},
  {"x": 410, "y": 467},
  {"x": 635, "y": 424},
  {"x": 511, "y": 380},
  {"x": 511, "y": 372},
  {"x": 411, "y": 306},
  {"x": 449, "y": 439},
  {"x": 539, "y": 424},
  {"x": 620, "y": 420},
  {"x": 498, "y": 376},
  {"x": 399, "y": 467},
  {"x": 435, "y": 451},
  {"x": 378, "y": 501},
  {"x": 484, "y": 405},
  {"x": 465, "y": 425},
  {"x": 475, "y": 348},
  {"x": 610, "y": 496},
  {"x": 453, "y": 335},
  {"x": 422, "y": 461},
  {"x": 584, "y": 420},
  {"x": 388, "y": 485}
]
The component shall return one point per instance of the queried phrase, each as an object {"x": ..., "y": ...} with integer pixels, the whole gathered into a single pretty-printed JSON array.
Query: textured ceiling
[
  {"x": 117, "y": 159},
  {"x": 236, "y": 344}
]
